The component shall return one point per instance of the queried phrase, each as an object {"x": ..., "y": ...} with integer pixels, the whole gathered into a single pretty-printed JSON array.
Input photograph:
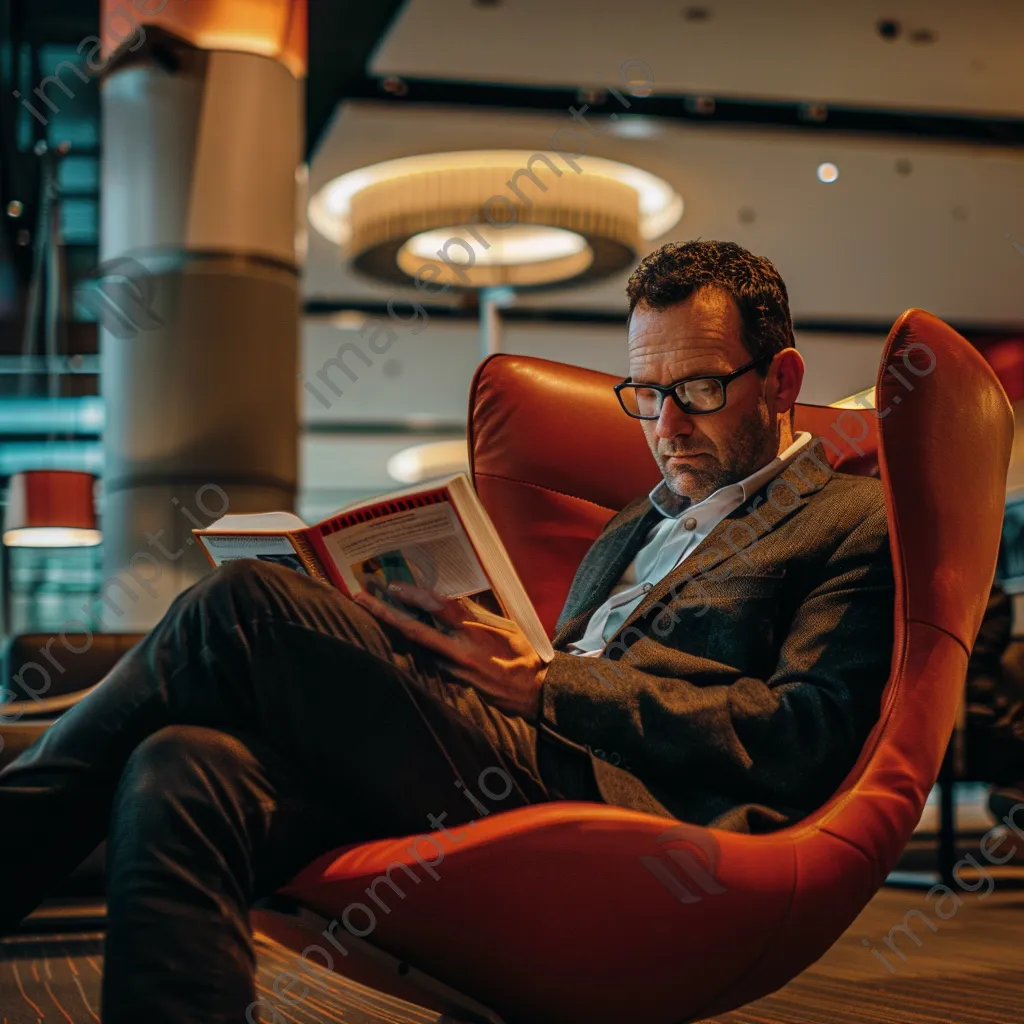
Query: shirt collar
[{"x": 671, "y": 505}]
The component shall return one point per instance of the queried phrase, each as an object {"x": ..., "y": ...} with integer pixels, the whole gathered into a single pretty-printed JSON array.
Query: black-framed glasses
[{"x": 696, "y": 396}]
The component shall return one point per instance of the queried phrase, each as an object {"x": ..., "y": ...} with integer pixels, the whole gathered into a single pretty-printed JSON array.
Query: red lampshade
[{"x": 51, "y": 508}]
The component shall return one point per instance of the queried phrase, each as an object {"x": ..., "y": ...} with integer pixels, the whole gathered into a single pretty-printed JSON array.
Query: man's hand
[{"x": 484, "y": 650}]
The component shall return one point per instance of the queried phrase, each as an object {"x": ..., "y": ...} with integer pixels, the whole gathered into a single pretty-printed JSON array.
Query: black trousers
[{"x": 266, "y": 719}]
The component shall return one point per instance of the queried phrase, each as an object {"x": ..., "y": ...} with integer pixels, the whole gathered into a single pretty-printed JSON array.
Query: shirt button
[
  {"x": 690, "y": 523},
  {"x": 648, "y": 587}
]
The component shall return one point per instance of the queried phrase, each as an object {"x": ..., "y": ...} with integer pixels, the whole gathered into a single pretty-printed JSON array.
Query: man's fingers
[
  {"x": 415, "y": 630},
  {"x": 382, "y": 609},
  {"x": 452, "y": 610},
  {"x": 454, "y": 669},
  {"x": 419, "y": 596}
]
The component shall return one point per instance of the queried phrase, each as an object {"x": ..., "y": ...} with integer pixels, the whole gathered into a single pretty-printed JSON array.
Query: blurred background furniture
[{"x": 44, "y": 674}]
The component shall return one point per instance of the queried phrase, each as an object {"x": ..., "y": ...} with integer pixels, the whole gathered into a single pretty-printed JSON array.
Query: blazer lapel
[
  {"x": 740, "y": 531},
  {"x": 603, "y": 565}
]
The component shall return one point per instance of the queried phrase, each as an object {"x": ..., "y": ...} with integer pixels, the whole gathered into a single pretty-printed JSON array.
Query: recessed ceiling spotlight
[
  {"x": 903, "y": 166},
  {"x": 638, "y": 127},
  {"x": 814, "y": 111},
  {"x": 696, "y": 13},
  {"x": 700, "y": 104},
  {"x": 348, "y": 320},
  {"x": 888, "y": 28},
  {"x": 922, "y": 35},
  {"x": 827, "y": 172},
  {"x": 594, "y": 95},
  {"x": 394, "y": 85}
]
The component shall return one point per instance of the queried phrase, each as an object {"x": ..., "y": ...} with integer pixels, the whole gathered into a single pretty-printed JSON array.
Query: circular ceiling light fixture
[
  {"x": 493, "y": 218},
  {"x": 429, "y": 461}
]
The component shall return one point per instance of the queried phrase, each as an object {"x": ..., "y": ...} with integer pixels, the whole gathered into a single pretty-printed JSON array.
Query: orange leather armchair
[{"x": 547, "y": 914}]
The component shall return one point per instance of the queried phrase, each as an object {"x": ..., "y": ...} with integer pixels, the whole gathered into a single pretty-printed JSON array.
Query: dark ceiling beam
[
  {"x": 65, "y": 22},
  {"x": 694, "y": 108},
  {"x": 403, "y": 309},
  {"x": 343, "y": 37}
]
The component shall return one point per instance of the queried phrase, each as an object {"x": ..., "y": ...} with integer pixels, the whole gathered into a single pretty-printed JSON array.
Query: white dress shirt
[{"x": 671, "y": 540}]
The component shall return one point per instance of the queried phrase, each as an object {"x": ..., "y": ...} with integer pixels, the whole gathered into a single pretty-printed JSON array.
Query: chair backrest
[
  {"x": 551, "y": 472},
  {"x": 946, "y": 429},
  {"x": 46, "y": 672}
]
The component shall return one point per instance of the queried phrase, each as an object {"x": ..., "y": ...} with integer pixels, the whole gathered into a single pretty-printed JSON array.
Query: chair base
[{"x": 297, "y": 927}]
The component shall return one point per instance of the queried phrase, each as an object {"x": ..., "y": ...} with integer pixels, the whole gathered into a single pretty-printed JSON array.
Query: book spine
[
  {"x": 306, "y": 552},
  {"x": 198, "y": 534},
  {"x": 311, "y": 536}
]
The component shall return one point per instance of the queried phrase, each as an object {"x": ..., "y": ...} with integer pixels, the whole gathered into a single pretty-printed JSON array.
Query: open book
[{"x": 437, "y": 536}]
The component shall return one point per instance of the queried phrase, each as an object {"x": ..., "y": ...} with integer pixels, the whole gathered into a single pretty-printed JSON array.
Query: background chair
[
  {"x": 546, "y": 914},
  {"x": 44, "y": 674}
]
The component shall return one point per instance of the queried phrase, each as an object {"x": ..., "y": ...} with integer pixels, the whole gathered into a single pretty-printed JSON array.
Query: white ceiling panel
[
  {"x": 425, "y": 379},
  {"x": 948, "y": 56},
  {"x": 865, "y": 247}
]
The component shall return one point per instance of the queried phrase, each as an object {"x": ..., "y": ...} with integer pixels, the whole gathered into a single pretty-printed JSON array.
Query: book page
[
  {"x": 270, "y": 548},
  {"x": 426, "y": 546},
  {"x": 279, "y": 521}
]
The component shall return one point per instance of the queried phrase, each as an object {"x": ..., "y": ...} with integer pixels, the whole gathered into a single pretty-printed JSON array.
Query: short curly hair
[{"x": 674, "y": 272}]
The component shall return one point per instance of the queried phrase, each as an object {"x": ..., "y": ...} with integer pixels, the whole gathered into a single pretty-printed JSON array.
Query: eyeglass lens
[{"x": 704, "y": 395}]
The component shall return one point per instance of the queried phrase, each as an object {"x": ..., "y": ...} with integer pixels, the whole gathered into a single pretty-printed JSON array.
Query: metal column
[{"x": 200, "y": 322}]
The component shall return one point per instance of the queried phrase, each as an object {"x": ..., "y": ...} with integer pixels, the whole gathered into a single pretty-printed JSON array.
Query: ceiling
[
  {"x": 742, "y": 101},
  {"x": 909, "y": 222},
  {"x": 928, "y": 137},
  {"x": 946, "y": 56},
  {"x": 925, "y": 127}
]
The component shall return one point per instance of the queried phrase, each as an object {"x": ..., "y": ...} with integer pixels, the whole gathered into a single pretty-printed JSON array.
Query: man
[{"x": 267, "y": 717}]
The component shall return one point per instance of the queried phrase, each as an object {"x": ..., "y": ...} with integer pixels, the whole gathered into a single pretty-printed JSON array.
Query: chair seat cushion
[{"x": 526, "y": 908}]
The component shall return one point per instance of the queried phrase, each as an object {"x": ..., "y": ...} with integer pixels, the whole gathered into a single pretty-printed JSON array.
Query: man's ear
[{"x": 786, "y": 376}]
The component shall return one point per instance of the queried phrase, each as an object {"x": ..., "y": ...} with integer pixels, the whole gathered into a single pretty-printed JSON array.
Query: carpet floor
[{"x": 966, "y": 969}]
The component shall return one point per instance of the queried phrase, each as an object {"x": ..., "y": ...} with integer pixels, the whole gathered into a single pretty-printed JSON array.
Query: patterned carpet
[
  {"x": 968, "y": 970},
  {"x": 57, "y": 981}
]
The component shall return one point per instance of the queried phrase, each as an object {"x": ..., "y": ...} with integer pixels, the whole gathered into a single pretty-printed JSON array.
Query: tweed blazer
[{"x": 742, "y": 687}]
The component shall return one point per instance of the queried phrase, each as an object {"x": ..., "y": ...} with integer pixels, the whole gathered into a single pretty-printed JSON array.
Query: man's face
[{"x": 699, "y": 454}]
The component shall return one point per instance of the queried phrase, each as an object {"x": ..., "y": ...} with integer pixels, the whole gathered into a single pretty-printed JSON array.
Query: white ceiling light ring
[
  {"x": 393, "y": 261},
  {"x": 386, "y": 216},
  {"x": 661, "y": 207},
  {"x": 532, "y": 274},
  {"x": 375, "y": 212},
  {"x": 600, "y": 257}
]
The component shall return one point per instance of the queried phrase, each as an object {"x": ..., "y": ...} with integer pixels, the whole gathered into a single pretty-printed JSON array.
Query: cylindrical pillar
[{"x": 202, "y": 138}]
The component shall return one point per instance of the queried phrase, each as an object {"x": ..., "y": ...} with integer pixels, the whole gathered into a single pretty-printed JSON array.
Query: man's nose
[{"x": 672, "y": 421}]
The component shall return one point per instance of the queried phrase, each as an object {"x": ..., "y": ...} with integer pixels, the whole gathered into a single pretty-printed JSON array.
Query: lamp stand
[{"x": 492, "y": 302}]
